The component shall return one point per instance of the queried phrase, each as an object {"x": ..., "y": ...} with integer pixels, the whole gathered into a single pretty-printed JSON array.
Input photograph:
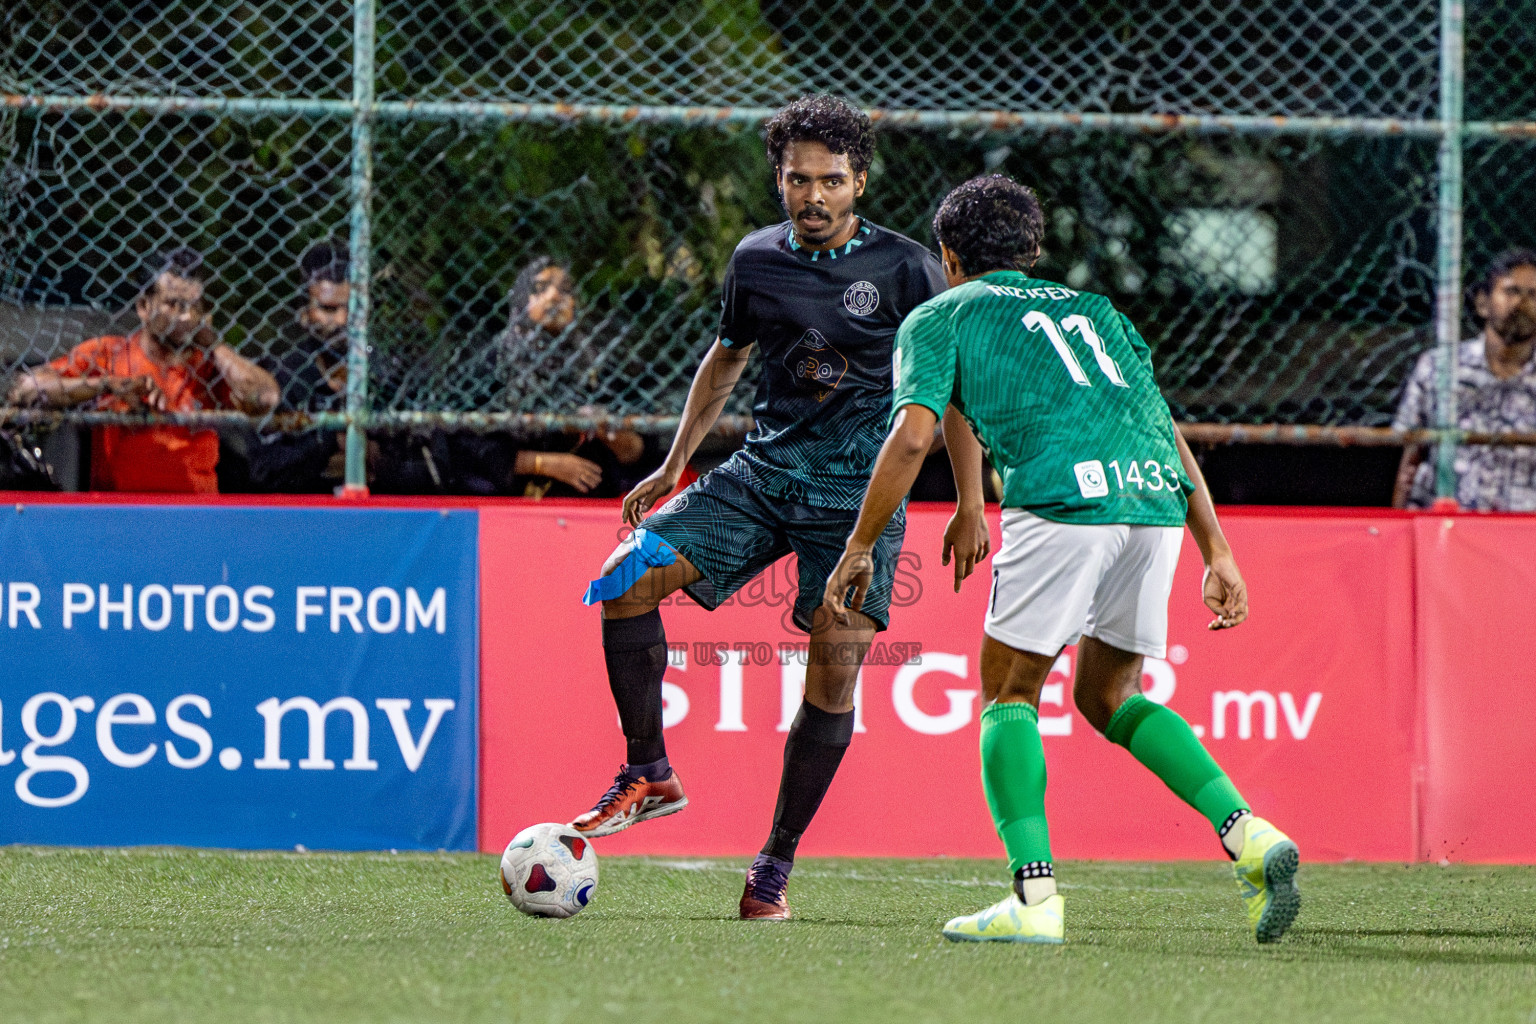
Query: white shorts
[{"x": 1053, "y": 583}]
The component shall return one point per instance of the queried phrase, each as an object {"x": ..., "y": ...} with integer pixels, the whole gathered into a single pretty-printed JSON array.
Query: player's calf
[{"x": 813, "y": 750}]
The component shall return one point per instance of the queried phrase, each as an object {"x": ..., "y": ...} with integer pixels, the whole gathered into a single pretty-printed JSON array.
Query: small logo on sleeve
[
  {"x": 861, "y": 298},
  {"x": 1091, "y": 480}
]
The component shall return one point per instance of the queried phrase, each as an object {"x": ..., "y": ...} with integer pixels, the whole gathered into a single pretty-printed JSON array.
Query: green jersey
[{"x": 1058, "y": 386}]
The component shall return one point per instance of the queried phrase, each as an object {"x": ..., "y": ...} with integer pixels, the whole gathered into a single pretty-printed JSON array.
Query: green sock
[
  {"x": 1164, "y": 742},
  {"x": 1013, "y": 776}
]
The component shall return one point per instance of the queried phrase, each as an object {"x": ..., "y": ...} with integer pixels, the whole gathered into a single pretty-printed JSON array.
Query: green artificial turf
[{"x": 177, "y": 935}]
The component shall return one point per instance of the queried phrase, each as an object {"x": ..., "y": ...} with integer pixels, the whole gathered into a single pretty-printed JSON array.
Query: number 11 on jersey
[{"x": 1038, "y": 321}]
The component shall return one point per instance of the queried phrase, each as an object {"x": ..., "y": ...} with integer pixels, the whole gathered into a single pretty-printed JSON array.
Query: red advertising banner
[
  {"x": 1477, "y": 658},
  {"x": 1310, "y": 705}
]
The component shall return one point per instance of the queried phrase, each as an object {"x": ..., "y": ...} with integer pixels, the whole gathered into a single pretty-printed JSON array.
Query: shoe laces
[
  {"x": 621, "y": 783},
  {"x": 766, "y": 882}
]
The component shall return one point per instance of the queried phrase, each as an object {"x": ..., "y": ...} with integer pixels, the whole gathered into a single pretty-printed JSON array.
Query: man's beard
[
  {"x": 1517, "y": 326},
  {"x": 821, "y": 235},
  {"x": 180, "y": 344},
  {"x": 328, "y": 339}
]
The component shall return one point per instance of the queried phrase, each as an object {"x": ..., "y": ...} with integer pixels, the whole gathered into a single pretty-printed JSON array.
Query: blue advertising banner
[{"x": 238, "y": 677}]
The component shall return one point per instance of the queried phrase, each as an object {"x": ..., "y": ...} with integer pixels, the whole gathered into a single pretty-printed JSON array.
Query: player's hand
[
  {"x": 626, "y": 445},
  {"x": 154, "y": 398},
  {"x": 969, "y": 540},
  {"x": 136, "y": 391},
  {"x": 1225, "y": 592},
  {"x": 582, "y": 474},
  {"x": 648, "y": 492},
  {"x": 206, "y": 338},
  {"x": 855, "y": 569}
]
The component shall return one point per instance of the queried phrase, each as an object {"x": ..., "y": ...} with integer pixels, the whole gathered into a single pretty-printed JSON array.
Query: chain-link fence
[{"x": 1272, "y": 190}]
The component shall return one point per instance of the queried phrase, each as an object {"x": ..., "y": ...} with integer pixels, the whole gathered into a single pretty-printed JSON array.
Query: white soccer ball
[{"x": 549, "y": 870}]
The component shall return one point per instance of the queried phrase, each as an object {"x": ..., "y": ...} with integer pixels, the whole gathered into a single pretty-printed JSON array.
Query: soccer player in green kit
[{"x": 1098, "y": 486}]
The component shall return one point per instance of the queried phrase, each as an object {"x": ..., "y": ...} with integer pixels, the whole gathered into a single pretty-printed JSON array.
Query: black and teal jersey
[
  {"x": 826, "y": 324},
  {"x": 1058, "y": 386}
]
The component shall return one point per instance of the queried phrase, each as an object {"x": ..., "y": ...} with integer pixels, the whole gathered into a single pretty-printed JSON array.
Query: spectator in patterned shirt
[
  {"x": 174, "y": 362},
  {"x": 1495, "y": 391}
]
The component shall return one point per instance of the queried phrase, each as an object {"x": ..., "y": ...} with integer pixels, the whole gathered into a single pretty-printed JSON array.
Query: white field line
[{"x": 723, "y": 867}]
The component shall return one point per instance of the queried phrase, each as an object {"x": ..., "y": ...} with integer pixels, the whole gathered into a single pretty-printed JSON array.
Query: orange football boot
[
  {"x": 632, "y": 798},
  {"x": 763, "y": 898}
]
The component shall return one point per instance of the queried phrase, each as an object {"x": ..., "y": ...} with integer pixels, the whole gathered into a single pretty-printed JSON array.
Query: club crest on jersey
[
  {"x": 861, "y": 298},
  {"x": 814, "y": 363}
]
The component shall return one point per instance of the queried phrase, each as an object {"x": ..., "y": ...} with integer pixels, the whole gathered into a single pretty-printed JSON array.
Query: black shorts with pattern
[{"x": 731, "y": 533}]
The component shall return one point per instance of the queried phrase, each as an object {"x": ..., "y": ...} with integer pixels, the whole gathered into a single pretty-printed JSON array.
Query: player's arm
[
  {"x": 46, "y": 386},
  {"x": 896, "y": 469},
  {"x": 712, "y": 385},
  {"x": 253, "y": 389},
  {"x": 1407, "y": 469},
  {"x": 1224, "y": 590},
  {"x": 923, "y": 378},
  {"x": 967, "y": 535},
  {"x": 1413, "y": 410}
]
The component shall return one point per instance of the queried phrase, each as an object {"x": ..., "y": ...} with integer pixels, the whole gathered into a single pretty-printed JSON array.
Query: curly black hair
[
  {"x": 991, "y": 223},
  {"x": 326, "y": 261},
  {"x": 527, "y": 282},
  {"x": 826, "y": 119},
  {"x": 183, "y": 261},
  {"x": 1502, "y": 266}
]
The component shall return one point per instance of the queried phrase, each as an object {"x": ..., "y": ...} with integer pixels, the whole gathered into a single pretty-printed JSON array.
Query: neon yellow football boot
[
  {"x": 1011, "y": 921},
  {"x": 1266, "y": 875}
]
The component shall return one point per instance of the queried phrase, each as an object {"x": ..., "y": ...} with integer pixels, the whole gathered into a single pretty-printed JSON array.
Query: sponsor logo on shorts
[
  {"x": 861, "y": 298},
  {"x": 1091, "y": 480}
]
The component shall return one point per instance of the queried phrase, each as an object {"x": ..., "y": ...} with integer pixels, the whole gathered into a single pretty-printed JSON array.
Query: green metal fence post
[
  {"x": 361, "y": 242},
  {"x": 1448, "y": 274}
]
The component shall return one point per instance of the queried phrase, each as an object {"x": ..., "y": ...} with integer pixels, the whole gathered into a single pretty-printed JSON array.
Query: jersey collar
[{"x": 813, "y": 255}]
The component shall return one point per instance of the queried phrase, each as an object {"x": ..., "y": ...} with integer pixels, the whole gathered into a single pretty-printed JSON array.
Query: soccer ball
[{"x": 549, "y": 870}]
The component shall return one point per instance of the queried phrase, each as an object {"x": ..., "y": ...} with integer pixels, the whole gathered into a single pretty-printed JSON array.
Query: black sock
[
  {"x": 635, "y": 651},
  {"x": 815, "y": 747},
  {"x": 1034, "y": 869}
]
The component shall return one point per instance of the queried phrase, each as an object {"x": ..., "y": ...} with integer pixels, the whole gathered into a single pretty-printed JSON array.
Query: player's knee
[
  {"x": 620, "y": 553},
  {"x": 1015, "y": 689},
  {"x": 833, "y": 676},
  {"x": 1094, "y": 704},
  {"x": 633, "y": 601},
  {"x": 834, "y": 695}
]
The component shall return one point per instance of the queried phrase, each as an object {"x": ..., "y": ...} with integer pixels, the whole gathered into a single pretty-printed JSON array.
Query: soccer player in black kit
[{"x": 823, "y": 295}]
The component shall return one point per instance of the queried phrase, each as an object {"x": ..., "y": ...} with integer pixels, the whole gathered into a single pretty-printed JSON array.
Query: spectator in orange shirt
[{"x": 174, "y": 362}]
